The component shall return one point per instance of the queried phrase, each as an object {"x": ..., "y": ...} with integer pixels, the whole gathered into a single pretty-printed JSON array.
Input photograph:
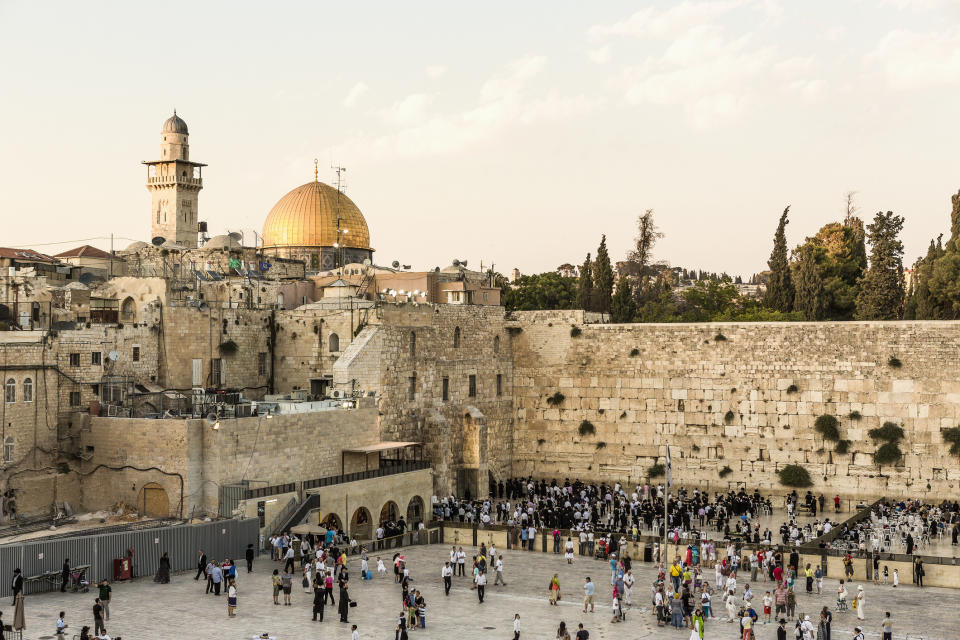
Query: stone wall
[
  {"x": 265, "y": 452},
  {"x": 466, "y": 434},
  {"x": 739, "y": 395}
]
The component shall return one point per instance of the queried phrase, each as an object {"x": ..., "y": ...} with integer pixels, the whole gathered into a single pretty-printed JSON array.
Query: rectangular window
[
  {"x": 74, "y": 359},
  {"x": 74, "y": 398},
  {"x": 95, "y": 357},
  {"x": 262, "y": 363},
  {"x": 499, "y": 384},
  {"x": 446, "y": 389},
  {"x": 411, "y": 387},
  {"x": 197, "y": 372},
  {"x": 216, "y": 371},
  {"x": 136, "y": 353},
  {"x": 472, "y": 383}
]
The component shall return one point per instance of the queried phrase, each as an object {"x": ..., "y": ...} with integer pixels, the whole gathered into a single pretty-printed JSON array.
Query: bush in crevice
[
  {"x": 894, "y": 362},
  {"x": 792, "y": 389},
  {"x": 556, "y": 399},
  {"x": 601, "y": 445},
  {"x": 889, "y": 432},
  {"x": 719, "y": 338},
  {"x": 952, "y": 435},
  {"x": 826, "y": 425},
  {"x": 728, "y": 417},
  {"x": 229, "y": 347},
  {"x": 575, "y": 332},
  {"x": 843, "y": 446},
  {"x": 793, "y": 475},
  {"x": 854, "y": 415},
  {"x": 586, "y": 428},
  {"x": 634, "y": 352},
  {"x": 887, "y": 453},
  {"x": 725, "y": 472},
  {"x": 656, "y": 470}
]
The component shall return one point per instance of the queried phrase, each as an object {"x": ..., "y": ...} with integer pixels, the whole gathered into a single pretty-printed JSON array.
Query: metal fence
[{"x": 219, "y": 539}]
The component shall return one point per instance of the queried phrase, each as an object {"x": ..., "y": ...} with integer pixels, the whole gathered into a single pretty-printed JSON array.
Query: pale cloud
[
  {"x": 505, "y": 100},
  {"x": 834, "y": 33},
  {"x": 436, "y": 70},
  {"x": 356, "y": 92},
  {"x": 600, "y": 55},
  {"x": 914, "y": 60},
  {"x": 409, "y": 110},
  {"x": 652, "y": 23},
  {"x": 512, "y": 79}
]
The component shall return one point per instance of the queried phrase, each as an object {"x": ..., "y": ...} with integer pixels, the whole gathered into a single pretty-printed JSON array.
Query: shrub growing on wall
[
  {"x": 843, "y": 446},
  {"x": 887, "y": 453},
  {"x": 575, "y": 332},
  {"x": 586, "y": 428},
  {"x": 889, "y": 432},
  {"x": 556, "y": 399},
  {"x": 952, "y": 435},
  {"x": 793, "y": 475},
  {"x": 826, "y": 426},
  {"x": 728, "y": 417},
  {"x": 725, "y": 472},
  {"x": 656, "y": 470}
]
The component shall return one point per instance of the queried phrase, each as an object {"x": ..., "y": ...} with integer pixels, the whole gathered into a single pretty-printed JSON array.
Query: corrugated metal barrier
[{"x": 219, "y": 539}]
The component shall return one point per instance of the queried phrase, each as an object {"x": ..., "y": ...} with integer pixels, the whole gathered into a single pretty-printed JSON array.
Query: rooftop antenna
[{"x": 340, "y": 230}]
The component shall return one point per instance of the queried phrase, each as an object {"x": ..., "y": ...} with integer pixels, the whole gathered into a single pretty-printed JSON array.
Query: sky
[{"x": 511, "y": 134}]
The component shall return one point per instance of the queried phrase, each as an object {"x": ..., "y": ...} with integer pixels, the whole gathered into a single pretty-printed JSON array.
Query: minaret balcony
[{"x": 170, "y": 181}]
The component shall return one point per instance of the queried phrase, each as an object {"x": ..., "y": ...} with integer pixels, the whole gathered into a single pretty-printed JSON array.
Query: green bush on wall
[
  {"x": 887, "y": 453},
  {"x": 656, "y": 470},
  {"x": 826, "y": 426},
  {"x": 793, "y": 475},
  {"x": 586, "y": 428}
]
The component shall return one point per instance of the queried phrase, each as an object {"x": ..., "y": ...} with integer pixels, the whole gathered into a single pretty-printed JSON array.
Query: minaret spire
[{"x": 316, "y": 170}]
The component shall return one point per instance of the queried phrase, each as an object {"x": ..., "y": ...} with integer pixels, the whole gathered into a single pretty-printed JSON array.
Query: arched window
[
  {"x": 496, "y": 344},
  {"x": 334, "y": 343},
  {"x": 413, "y": 343},
  {"x": 456, "y": 338},
  {"x": 8, "y": 449},
  {"x": 128, "y": 310},
  {"x": 10, "y": 391},
  {"x": 28, "y": 390}
]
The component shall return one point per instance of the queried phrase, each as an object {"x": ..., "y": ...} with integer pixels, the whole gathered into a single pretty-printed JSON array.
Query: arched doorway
[
  {"x": 415, "y": 512},
  {"x": 361, "y": 524},
  {"x": 128, "y": 310},
  {"x": 332, "y": 521},
  {"x": 153, "y": 501},
  {"x": 390, "y": 512}
]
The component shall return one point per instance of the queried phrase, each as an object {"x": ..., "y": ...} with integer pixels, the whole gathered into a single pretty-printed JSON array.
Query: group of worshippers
[{"x": 578, "y": 506}]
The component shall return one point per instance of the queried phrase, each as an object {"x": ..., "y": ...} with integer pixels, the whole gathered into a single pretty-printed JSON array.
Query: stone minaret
[{"x": 174, "y": 183}]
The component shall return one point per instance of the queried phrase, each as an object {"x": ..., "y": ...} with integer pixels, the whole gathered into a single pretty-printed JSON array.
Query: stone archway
[
  {"x": 415, "y": 512},
  {"x": 153, "y": 501},
  {"x": 361, "y": 524},
  {"x": 390, "y": 512},
  {"x": 332, "y": 521}
]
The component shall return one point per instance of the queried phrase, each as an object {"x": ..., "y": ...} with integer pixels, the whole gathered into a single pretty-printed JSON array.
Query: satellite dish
[
  {"x": 113, "y": 355},
  {"x": 463, "y": 263},
  {"x": 235, "y": 235},
  {"x": 456, "y": 262},
  {"x": 407, "y": 267},
  {"x": 436, "y": 269},
  {"x": 157, "y": 241},
  {"x": 395, "y": 264},
  {"x": 366, "y": 262}
]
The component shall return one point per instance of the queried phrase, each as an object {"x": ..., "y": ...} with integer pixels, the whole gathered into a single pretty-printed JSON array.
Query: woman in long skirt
[{"x": 163, "y": 571}]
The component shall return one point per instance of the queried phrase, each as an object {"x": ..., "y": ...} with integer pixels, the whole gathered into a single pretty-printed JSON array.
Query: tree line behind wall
[{"x": 829, "y": 276}]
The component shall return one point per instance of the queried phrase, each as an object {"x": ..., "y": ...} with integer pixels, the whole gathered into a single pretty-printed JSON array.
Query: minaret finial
[
  {"x": 316, "y": 170},
  {"x": 174, "y": 111}
]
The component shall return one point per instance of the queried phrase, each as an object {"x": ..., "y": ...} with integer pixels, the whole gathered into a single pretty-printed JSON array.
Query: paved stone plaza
[{"x": 143, "y": 610}]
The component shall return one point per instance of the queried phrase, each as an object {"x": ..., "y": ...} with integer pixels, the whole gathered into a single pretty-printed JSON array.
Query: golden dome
[{"x": 307, "y": 217}]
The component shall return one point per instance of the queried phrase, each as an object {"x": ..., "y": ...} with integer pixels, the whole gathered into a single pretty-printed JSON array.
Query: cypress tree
[
  {"x": 622, "y": 307},
  {"x": 585, "y": 286},
  {"x": 809, "y": 299},
  {"x": 603, "y": 277},
  {"x": 881, "y": 290},
  {"x": 779, "y": 294}
]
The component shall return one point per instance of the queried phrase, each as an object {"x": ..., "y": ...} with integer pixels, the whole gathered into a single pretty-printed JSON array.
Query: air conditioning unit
[{"x": 336, "y": 393}]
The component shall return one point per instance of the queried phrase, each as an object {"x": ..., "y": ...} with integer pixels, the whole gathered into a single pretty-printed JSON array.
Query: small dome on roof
[
  {"x": 219, "y": 242},
  {"x": 136, "y": 246},
  {"x": 174, "y": 124}
]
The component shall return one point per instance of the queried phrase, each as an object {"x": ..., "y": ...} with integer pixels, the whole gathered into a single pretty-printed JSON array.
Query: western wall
[{"x": 743, "y": 396}]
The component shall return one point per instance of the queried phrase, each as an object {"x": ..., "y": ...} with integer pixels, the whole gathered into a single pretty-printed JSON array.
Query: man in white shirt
[
  {"x": 356, "y": 634},
  {"x": 499, "y": 569},
  {"x": 447, "y": 574},
  {"x": 481, "y": 581}
]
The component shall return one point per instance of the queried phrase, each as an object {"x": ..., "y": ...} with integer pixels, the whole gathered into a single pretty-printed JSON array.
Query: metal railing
[
  {"x": 386, "y": 470},
  {"x": 282, "y": 516}
]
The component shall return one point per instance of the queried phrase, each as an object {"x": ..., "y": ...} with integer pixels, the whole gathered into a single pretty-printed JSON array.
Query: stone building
[{"x": 174, "y": 182}]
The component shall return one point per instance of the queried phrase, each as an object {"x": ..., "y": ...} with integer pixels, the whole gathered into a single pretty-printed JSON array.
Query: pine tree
[
  {"x": 881, "y": 294},
  {"x": 809, "y": 298},
  {"x": 602, "y": 277},
  {"x": 779, "y": 294},
  {"x": 622, "y": 307},
  {"x": 585, "y": 286}
]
